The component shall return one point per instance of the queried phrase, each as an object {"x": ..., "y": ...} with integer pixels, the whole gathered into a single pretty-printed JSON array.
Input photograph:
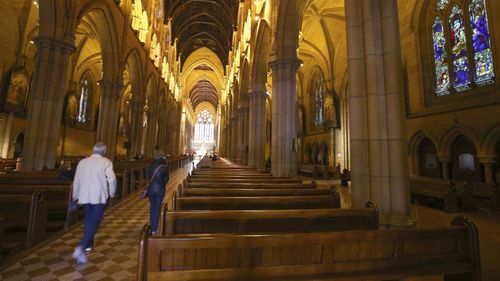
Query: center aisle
[{"x": 114, "y": 256}]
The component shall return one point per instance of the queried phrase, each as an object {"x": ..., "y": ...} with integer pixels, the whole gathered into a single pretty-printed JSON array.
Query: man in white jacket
[{"x": 94, "y": 183}]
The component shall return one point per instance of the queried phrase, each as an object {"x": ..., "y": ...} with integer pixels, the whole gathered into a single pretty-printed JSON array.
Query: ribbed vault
[
  {"x": 202, "y": 23},
  {"x": 203, "y": 91}
]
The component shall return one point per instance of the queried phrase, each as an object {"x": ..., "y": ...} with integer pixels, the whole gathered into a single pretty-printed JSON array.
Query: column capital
[
  {"x": 285, "y": 62},
  {"x": 486, "y": 159},
  {"x": 444, "y": 159},
  {"x": 54, "y": 44}
]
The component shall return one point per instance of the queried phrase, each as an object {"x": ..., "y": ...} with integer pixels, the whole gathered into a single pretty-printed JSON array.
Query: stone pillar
[
  {"x": 379, "y": 149},
  {"x": 151, "y": 134},
  {"x": 229, "y": 135},
  {"x": 257, "y": 130},
  {"x": 135, "y": 133},
  {"x": 243, "y": 134},
  {"x": 48, "y": 87},
  {"x": 284, "y": 125},
  {"x": 234, "y": 138},
  {"x": 445, "y": 167},
  {"x": 6, "y": 130},
  {"x": 487, "y": 163},
  {"x": 108, "y": 116}
]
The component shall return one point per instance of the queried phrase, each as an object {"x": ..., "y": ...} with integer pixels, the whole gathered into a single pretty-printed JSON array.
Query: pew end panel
[
  {"x": 142, "y": 257},
  {"x": 37, "y": 224}
]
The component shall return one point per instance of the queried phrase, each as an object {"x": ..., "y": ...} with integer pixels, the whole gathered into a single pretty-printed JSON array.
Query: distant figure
[
  {"x": 66, "y": 171},
  {"x": 345, "y": 177},
  {"x": 268, "y": 164},
  {"x": 90, "y": 188},
  {"x": 158, "y": 175}
]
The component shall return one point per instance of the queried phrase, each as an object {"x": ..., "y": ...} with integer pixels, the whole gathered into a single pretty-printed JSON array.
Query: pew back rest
[
  {"x": 407, "y": 252},
  {"x": 256, "y": 203},
  {"x": 267, "y": 221}
]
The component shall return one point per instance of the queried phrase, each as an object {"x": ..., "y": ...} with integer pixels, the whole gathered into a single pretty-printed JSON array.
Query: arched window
[
  {"x": 318, "y": 92},
  {"x": 204, "y": 128},
  {"x": 83, "y": 100},
  {"x": 462, "y": 49}
]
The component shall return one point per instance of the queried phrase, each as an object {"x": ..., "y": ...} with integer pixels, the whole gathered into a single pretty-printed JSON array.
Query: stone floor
[{"x": 115, "y": 254}]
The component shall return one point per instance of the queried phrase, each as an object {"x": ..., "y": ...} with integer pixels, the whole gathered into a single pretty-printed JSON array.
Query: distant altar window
[
  {"x": 83, "y": 101},
  {"x": 204, "y": 128},
  {"x": 463, "y": 58}
]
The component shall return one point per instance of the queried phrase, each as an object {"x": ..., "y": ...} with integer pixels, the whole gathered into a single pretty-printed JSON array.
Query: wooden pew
[
  {"x": 267, "y": 221},
  {"x": 226, "y": 192},
  {"x": 235, "y": 176},
  {"x": 216, "y": 180},
  {"x": 256, "y": 203},
  {"x": 24, "y": 219},
  {"x": 249, "y": 185},
  {"x": 387, "y": 254},
  {"x": 428, "y": 191},
  {"x": 57, "y": 199}
]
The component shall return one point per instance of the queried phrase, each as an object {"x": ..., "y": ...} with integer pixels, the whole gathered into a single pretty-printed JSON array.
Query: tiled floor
[{"x": 115, "y": 254}]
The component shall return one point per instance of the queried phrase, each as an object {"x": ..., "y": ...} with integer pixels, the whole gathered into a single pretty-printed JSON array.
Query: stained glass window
[
  {"x": 204, "y": 128},
  {"x": 459, "y": 66},
  {"x": 483, "y": 56},
  {"x": 441, "y": 4},
  {"x": 319, "y": 102},
  {"x": 459, "y": 54},
  {"x": 83, "y": 101},
  {"x": 442, "y": 72}
]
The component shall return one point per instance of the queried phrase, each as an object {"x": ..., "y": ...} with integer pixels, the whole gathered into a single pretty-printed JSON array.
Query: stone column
[
  {"x": 108, "y": 116},
  {"x": 284, "y": 128},
  {"x": 47, "y": 99},
  {"x": 257, "y": 130},
  {"x": 151, "y": 137},
  {"x": 445, "y": 167},
  {"x": 6, "y": 130},
  {"x": 487, "y": 163},
  {"x": 135, "y": 133},
  {"x": 243, "y": 134},
  {"x": 378, "y": 155},
  {"x": 234, "y": 138}
]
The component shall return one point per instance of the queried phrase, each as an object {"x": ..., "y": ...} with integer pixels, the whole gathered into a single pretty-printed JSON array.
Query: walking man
[{"x": 94, "y": 183}]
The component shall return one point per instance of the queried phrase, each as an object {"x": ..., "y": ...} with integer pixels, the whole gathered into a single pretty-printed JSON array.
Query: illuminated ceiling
[
  {"x": 203, "y": 23},
  {"x": 203, "y": 91}
]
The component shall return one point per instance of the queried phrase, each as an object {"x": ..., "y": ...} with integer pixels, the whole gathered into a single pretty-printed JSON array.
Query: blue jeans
[
  {"x": 155, "y": 200},
  {"x": 91, "y": 220}
]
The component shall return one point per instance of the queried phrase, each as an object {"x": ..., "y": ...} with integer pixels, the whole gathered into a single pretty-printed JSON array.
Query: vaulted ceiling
[
  {"x": 203, "y": 91},
  {"x": 203, "y": 23}
]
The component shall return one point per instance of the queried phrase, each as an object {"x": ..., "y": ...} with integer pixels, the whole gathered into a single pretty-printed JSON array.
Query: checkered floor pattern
[{"x": 115, "y": 253}]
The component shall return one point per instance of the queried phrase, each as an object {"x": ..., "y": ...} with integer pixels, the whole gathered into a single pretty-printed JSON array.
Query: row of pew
[
  {"x": 34, "y": 205},
  {"x": 453, "y": 196},
  {"x": 230, "y": 222}
]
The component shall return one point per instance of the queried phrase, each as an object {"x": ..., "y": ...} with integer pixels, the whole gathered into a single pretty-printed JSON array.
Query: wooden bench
[
  {"x": 24, "y": 220},
  {"x": 8, "y": 164},
  {"x": 387, "y": 254},
  {"x": 249, "y": 185},
  {"x": 215, "y": 180},
  {"x": 428, "y": 192},
  {"x": 57, "y": 198},
  {"x": 256, "y": 203},
  {"x": 225, "y": 192},
  {"x": 267, "y": 221}
]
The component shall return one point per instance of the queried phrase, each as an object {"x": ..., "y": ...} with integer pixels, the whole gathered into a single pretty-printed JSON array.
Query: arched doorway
[
  {"x": 465, "y": 165},
  {"x": 427, "y": 159}
]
